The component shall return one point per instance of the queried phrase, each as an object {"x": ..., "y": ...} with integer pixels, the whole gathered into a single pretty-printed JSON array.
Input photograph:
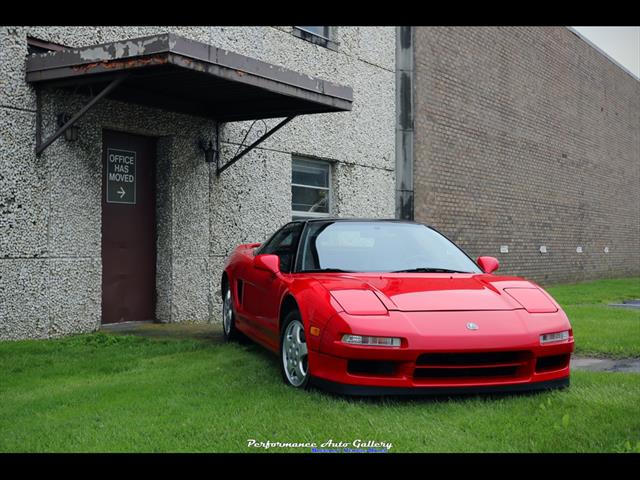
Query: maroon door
[{"x": 128, "y": 227}]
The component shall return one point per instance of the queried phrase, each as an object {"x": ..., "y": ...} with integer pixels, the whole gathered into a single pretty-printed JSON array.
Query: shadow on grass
[{"x": 432, "y": 398}]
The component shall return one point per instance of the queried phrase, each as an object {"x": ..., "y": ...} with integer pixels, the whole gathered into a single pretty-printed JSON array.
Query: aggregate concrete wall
[
  {"x": 50, "y": 226},
  {"x": 527, "y": 137}
]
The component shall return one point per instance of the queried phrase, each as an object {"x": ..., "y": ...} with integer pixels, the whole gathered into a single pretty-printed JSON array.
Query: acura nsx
[{"x": 370, "y": 307}]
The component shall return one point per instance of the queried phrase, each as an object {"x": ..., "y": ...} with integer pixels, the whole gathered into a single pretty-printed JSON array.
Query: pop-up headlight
[
  {"x": 359, "y": 302},
  {"x": 533, "y": 300}
]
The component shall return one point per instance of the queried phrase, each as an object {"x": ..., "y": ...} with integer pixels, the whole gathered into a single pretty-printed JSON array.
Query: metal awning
[
  {"x": 181, "y": 75},
  {"x": 177, "y": 74}
]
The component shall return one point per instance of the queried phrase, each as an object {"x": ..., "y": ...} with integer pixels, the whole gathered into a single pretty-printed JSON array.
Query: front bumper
[
  {"x": 439, "y": 355},
  {"x": 371, "y": 391}
]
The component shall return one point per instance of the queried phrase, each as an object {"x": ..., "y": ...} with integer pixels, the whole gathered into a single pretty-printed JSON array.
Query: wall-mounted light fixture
[
  {"x": 210, "y": 152},
  {"x": 71, "y": 133}
]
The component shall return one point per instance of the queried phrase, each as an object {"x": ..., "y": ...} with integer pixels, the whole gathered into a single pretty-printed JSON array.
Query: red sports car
[{"x": 392, "y": 307}]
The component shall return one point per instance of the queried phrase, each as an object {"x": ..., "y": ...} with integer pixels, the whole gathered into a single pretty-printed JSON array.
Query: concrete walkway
[
  {"x": 627, "y": 304},
  {"x": 198, "y": 331},
  {"x": 213, "y": 332},
  {"x": 605, "y": 364}
]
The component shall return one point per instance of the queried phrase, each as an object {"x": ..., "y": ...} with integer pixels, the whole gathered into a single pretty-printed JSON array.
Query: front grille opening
[
  {"x": 474, "y": 358},
  {"x": 371, "y": 367},
  {"x": 465, "y": 372},
  {"x": 553, "y": 362}
]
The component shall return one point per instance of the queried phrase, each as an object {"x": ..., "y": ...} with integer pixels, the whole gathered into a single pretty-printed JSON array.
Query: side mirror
[
  {"x": 268, "y": 263},
  {"x": 488, "y": 264}
]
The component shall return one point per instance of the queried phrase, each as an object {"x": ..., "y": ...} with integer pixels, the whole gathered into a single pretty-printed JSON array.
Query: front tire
[
  {"x": 229, "y": 330},
  {"x": 294, "y": 363}
]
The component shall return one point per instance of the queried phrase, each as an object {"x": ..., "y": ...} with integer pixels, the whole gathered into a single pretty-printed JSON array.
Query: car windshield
[{"x": 354, "y": 246}]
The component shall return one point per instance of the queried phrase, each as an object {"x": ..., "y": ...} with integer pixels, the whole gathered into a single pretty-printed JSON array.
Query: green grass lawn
[
  {"x": 601, "y": 330},
  {"x": 121, "y": 393}
]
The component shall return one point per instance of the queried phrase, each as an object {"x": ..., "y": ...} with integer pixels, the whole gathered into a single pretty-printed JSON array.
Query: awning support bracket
[
  {"x": 40, "y": 145},
  {"x": 221, "y": 168}
]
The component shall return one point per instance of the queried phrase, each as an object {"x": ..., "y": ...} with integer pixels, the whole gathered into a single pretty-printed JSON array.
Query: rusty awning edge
[{"x": 171, "y": 49}]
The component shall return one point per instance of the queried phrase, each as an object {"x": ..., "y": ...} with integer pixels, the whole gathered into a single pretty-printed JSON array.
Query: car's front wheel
[{"x": 293, "y": 352}]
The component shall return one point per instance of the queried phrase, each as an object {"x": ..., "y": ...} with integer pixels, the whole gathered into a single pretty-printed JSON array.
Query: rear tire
[
  {"x": 229, "y": 330},
  {"x": 294, "y": 363}
]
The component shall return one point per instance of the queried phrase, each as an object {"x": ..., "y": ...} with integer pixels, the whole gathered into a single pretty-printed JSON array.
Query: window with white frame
[{"x": 310, "y": 188}]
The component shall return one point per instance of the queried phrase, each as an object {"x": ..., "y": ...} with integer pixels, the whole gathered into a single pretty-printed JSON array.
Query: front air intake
[{"x": 438, "y": 367}]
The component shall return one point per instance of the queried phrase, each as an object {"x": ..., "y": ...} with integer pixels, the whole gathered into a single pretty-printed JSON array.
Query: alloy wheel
[{"x": 294, "y": 353}]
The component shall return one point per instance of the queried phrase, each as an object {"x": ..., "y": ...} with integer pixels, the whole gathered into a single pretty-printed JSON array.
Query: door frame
[{"x": 153, "y": 211}]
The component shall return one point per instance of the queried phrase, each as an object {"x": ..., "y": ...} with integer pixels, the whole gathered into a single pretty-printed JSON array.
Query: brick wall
[{"x": 524, "y": 137}]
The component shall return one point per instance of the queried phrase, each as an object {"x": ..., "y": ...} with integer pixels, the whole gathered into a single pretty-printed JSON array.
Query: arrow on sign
[{"x": 121, "y": 192}]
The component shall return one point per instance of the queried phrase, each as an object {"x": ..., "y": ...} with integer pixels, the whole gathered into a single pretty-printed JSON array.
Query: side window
[
  {"x": 284, "y": 244},
  {"x": 310, "y": 188}
]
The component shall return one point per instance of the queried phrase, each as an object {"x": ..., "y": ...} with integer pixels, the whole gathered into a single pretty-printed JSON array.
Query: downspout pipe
[{"x": 404, "y": 122}]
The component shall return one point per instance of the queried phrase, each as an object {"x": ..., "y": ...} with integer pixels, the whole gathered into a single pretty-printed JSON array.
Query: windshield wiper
[
  {"x": 326, "y": 270},
  {"x": 428, "y": 270}
]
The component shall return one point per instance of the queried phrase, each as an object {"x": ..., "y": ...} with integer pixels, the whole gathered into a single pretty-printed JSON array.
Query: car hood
[{"x": 428, "y": 292}]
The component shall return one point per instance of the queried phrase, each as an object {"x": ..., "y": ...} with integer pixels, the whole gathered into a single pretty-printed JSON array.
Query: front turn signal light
[
  {"x": 554, "y": 337},
  {"x": 371, "y": 341}
]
